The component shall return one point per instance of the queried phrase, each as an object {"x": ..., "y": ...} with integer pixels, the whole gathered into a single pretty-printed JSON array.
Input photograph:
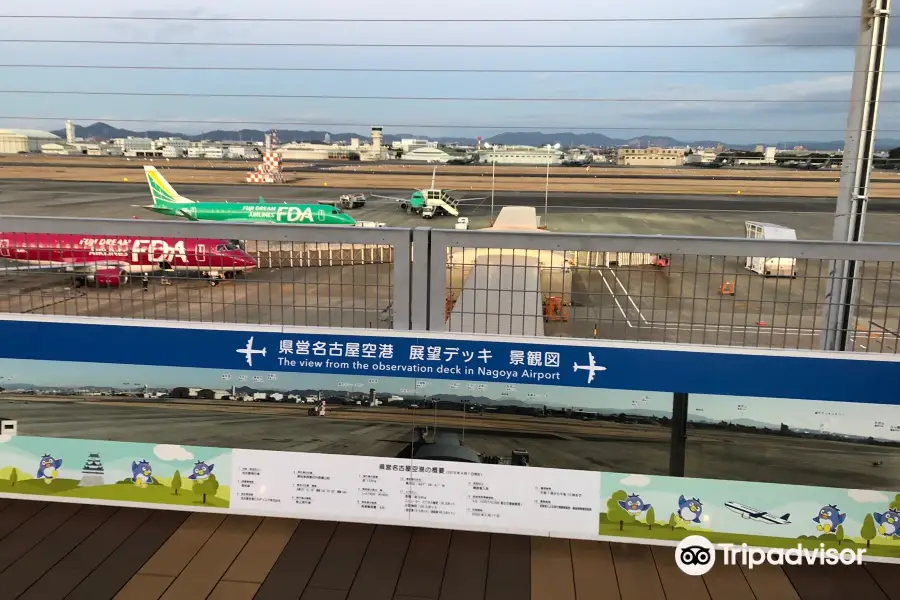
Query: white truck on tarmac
[{"x": 347, "y": 201}]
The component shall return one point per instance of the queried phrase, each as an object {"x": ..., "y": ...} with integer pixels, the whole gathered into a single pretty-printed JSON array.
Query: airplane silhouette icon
[
  {"x": 249, "y": 351},
  {"x": 591, "y": 368}
]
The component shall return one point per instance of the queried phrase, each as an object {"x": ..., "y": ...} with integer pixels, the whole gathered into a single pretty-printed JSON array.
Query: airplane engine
[{"x": 108, "y": 278}]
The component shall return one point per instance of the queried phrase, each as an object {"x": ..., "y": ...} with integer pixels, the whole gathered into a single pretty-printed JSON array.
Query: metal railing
[
  {"x": 665, "y": 289},
  {"x": 739, "y": 292},
  {"x": 314, "y": 276}
]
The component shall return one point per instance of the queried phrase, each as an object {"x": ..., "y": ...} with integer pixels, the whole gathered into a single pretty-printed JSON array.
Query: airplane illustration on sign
[
  {"x": 592, "y": 368},
  {"x": 249, "y": 351},
  {"x": 757, "y": 515}
]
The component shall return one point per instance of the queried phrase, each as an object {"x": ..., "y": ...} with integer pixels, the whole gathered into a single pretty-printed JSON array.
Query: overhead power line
[
  {"x": 422, "y": 98},
  {"x": 424, "y": 20},
  {"x": 237, "y": 44},
  {"x": 399, "y": 126},
  {"x": 430, "y": 70}
]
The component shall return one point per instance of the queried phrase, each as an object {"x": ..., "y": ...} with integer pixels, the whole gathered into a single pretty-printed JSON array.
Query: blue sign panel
[{"x": 566, "y": 363}]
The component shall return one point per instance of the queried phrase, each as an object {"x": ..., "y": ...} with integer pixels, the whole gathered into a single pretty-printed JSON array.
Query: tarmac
[
  {"x": 416, "y": 169},
  {"x": 115, "y": 200},
  {"x": 644, "y": 214},
  {"x": 554, "y": 443},
  {"x": 679, "y": 304}
]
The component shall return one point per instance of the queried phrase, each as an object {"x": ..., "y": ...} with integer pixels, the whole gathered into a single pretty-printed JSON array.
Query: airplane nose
[{"x": 244, "y": 260}]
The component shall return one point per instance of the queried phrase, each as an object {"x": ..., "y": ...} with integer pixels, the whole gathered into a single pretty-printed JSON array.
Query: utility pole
[
  {"x": 493, "y": 173},
  {"x": 547, "y": 189},
  {"x": 859, "y": 147}
]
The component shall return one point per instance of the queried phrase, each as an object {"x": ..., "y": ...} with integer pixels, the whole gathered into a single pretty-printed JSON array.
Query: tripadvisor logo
[{"x": 696, "y": 555}]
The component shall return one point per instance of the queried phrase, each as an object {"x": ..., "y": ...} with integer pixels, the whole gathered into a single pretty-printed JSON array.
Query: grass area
[
  {"x": 662, "y": 531},
  {"x": 6, "y": 473},
  {"x": 119, "y": 492}
]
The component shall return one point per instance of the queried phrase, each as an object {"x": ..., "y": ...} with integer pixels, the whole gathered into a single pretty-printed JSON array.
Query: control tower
[{"x": 376, "y": 142}]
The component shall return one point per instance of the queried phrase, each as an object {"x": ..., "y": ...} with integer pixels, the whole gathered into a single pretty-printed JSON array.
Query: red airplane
[{"x": 108, "y": 261}]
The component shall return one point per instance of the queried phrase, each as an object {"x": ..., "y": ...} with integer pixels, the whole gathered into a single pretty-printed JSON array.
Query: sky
[
  {"x": 834, "y": 417},
  {"x": 669, "y": 105}
]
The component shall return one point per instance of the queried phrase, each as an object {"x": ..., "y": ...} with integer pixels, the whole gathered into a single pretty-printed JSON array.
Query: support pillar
[
  {"x": 859, "y": 146},
  {"x": 678, "y": 446}
]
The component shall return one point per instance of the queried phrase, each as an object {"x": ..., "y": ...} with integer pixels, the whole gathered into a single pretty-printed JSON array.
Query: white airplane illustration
[
  {"x": 757, "y": 515},
  {"x": 592, "y": 368},
  {"x": 249, "y": 351}
]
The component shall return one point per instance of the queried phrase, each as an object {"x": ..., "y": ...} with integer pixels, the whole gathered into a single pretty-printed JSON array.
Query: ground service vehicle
[{"x": 440, "y": 202}]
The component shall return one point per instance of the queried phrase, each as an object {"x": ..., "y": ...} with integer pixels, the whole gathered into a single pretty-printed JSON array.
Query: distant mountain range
[{"x": 103, "y": 131}]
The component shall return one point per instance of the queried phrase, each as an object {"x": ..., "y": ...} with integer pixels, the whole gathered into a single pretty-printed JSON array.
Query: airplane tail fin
[
  {"x": 786, "y": 517},
  {"x": 162, "y": 191}
]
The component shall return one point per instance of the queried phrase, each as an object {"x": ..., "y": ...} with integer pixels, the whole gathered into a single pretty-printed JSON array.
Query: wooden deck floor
[{"x": 53, "y": 551}]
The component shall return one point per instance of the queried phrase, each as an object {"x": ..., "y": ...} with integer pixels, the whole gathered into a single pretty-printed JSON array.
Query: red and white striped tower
[{"x": 269, "y": 171}]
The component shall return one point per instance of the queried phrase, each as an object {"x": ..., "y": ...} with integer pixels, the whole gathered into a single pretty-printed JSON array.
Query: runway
[
  {"x": 402, "y": 168},
  {"x": 17, "y": 196}
]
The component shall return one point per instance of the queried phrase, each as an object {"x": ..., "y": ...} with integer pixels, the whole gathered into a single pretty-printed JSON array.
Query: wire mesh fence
[
  {"x": 710, "y": 291},
  {"x": 751, "y": 299},
  {"x": 164, "y": 274}
]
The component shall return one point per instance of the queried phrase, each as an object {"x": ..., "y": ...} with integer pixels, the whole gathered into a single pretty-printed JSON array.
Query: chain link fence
[
  {"x": 245, "y": 274},
  {"x": 732, "y": 292},
  {"x": 660, "y": 289}
]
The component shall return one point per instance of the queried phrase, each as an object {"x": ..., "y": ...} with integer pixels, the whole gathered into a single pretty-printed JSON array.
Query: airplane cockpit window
[
  {"x": 337, "y": 211},
  {"x": 224, "y": 247}
]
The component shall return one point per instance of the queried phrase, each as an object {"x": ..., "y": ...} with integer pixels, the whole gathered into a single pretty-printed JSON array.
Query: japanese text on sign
[{"x": 532, "y": 366}]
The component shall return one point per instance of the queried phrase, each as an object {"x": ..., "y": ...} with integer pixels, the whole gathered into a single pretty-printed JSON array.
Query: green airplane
[{"x": 166, "y": 201}]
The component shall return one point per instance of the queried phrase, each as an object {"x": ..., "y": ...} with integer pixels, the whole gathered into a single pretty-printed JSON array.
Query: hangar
[{"x": 15, "y": 141}]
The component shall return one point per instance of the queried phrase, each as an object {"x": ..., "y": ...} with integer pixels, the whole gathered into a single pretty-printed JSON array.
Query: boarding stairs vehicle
[
  {"x": 441, "y": 202},
  {"x": 430, "y": 202}
]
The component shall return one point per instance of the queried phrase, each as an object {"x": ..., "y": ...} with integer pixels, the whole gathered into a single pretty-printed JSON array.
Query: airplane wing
[
  {"x": 150, "y": 207},
  {"x": 591, "y": 359},
  {"x": 394, "y": 198},
  {"x": 465, "y": 199},
  {"x": 755, "y": 513},
  {"x": 187, "y": 215},
  {"x": 179, "y": 212},
  {"x": 742, "y": 508}
]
